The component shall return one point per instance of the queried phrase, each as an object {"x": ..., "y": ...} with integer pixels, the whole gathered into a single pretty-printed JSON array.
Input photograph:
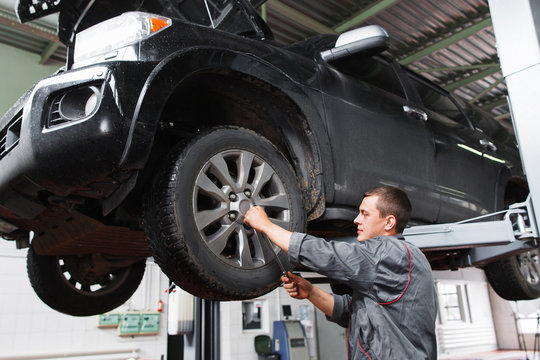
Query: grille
[
  {"x": 55, "y": 118},
  {"x": 10, "y": 135}
]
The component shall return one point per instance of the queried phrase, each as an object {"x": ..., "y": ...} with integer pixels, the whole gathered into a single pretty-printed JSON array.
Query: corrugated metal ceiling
[
  {"x": 38, "y": 37},
  {"x": 451, "y": 42}
]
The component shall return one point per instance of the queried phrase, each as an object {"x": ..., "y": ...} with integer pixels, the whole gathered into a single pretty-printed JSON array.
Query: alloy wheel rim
[
  {"x": 529, "y": 267},
  {"x": 227, "y": 185},
  {"x": 82, "y": 280}
]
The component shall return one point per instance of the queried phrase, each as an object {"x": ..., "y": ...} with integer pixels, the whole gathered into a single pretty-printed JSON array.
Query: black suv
[{"x": 171, "y": 119}]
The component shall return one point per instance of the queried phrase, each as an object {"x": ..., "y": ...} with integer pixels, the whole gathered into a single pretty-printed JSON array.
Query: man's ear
[{"x": 391, "y": 223}]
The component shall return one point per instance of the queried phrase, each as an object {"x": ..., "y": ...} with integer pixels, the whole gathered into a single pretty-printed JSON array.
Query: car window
[
  {"x": 439, "y": 102},
  {"x": 374, "y": 72},
  {"x": 484, "y": 123}
]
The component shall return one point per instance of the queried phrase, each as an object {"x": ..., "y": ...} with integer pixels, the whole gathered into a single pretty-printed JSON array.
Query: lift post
[
  {"x": 203, "y": 344},
  {"x": 517, "y": 31}
]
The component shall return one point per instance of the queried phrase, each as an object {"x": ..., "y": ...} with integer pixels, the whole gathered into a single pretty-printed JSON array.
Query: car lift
[{"x": 517, "y": 31}]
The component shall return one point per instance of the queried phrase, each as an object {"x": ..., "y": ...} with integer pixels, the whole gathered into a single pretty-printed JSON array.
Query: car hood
[{"x": 235, "y": 16}]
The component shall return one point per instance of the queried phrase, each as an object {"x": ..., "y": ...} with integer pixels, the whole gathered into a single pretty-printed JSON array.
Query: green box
[
  {"x": 149, "y": 324},
  {"x": 108, "y": 320},
  {"x": 130, "y": 324}
]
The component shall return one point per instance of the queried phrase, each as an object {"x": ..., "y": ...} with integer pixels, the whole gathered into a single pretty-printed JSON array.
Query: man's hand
[
  {"x": 297, "y": 287},
  {"x": 257, "y": 219}
]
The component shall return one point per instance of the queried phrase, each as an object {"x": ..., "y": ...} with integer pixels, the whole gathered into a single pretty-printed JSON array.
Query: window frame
[
  {"x": 404, "y": 94},
  {"x": 413, "y": 77},
  {"x": 463, "y": 303}
]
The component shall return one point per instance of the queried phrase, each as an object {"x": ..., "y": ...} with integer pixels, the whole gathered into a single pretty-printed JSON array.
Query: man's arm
[
  {"x": 257, "y": 219},
  {"x": 296, "y": 286},
  {"x": 300, "y": 288}
]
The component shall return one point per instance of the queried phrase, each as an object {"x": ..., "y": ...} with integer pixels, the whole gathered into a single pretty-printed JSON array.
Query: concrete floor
[{"x": 496, "y": 355}]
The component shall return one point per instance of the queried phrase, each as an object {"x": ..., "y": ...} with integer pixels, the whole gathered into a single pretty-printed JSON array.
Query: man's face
[{"x": 369, "y": 222}]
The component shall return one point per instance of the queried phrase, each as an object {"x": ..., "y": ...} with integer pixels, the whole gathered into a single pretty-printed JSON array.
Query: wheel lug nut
[
  {"x": 247, "y": 193},
  {"x": 232, "y": 197},
  {"x": 232, "y": 216}
]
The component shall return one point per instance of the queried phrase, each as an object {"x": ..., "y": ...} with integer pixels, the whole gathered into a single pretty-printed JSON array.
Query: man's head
[{"x": 385, "y": 210}]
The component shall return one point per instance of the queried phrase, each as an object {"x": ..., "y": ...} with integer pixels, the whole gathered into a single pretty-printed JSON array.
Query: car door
[
  {"x": 374, "y": 140},
  {"x": 465, "y": 175}
]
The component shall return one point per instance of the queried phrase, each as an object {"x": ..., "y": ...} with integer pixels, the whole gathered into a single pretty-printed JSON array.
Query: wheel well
[
  {"x": 210, "y": 99},
  {"x": 516, "y": 190}
]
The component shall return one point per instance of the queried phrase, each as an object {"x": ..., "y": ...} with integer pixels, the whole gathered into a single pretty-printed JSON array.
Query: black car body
[{"x": 81, "y": 148}]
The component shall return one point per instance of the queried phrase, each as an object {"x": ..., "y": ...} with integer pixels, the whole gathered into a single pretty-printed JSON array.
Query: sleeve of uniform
[
  {"x": 342, "y": 310},
  {"x": 353, "y": 264}
]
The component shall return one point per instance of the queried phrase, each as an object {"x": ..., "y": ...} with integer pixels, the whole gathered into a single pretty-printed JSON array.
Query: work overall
[{"x": 391, "y": 313}]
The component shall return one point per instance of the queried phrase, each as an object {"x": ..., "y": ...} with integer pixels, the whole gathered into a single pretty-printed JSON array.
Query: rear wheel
[
  {"x": 517, "y": 277},
  {"x": 194, "y": 214},
  {"x": 83, "y": 285}
]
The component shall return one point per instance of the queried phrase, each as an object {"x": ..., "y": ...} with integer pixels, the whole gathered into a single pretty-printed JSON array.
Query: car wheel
[
  {"x": 73, "y": 284},
  {"x": 517, "y": 277},
  {"x": 194, "y": 214}
]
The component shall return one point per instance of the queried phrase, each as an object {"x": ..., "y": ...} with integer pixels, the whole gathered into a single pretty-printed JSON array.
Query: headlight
[{"x": 115, "y": 33}]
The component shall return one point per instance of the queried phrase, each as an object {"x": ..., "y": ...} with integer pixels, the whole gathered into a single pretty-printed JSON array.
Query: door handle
[
  {"x": 409, "y": 110},
  {"x": 488, "y": 145}
]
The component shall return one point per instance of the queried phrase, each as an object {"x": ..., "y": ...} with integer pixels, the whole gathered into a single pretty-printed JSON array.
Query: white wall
[
  {"x": 476, "y": 333},
  {"x": 28, "y": 326},
  {"x": 238, "y": 344}
]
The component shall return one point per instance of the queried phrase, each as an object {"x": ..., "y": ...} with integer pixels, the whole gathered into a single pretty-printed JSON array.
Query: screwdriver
[{"x": 269, "y": 244}]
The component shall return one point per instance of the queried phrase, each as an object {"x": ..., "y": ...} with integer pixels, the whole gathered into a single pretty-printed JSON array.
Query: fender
[
  {"x": 179, "y": 66},
  {"x": 506, "y": 177}
]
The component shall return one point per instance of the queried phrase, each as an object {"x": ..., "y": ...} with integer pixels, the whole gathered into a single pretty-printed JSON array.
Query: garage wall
[
  {"x": 238, "y": 344},
  {"x": 465, "y": 322},
  {"x": 19, "y": 70},
  {"x": 29, "y": 327}
]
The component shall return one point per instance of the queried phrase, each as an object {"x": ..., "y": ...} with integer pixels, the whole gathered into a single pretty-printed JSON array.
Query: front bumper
[{"x": 47, "y": 149}]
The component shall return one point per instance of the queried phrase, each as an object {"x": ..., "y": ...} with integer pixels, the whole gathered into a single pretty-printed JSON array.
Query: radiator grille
[{"x": 10, "y": 135}]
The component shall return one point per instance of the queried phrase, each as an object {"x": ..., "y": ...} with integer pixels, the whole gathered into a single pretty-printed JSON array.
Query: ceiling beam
[
  {"x": 48, "y": 52},
  {"x": 364, "y": 14},
  {"x": 41, "y": 31},
  {"x": 494, "y": 104},
  {"x": 503, "y": 116},
  {"x": 299, "y": 17},
  {"x": 458, "y": 68},
  {"x": 465, "y": 32},
  {"x": 263, "y": 12},
  {"x": 486, "y": 90},
  {"x": 471, "y": 78}
]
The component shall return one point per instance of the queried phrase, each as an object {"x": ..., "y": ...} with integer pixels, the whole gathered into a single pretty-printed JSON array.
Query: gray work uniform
[{"x": 391, "y": 313}]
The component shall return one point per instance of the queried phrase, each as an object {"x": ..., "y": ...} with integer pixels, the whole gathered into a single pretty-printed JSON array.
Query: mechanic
[{"x": 391, "y": 313}]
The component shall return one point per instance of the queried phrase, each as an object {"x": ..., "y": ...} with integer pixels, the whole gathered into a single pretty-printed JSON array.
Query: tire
[
  {"x": 68, "y": 285},
  {"x": 516, "y": 277},
  {"x": 194, "y": 214}
]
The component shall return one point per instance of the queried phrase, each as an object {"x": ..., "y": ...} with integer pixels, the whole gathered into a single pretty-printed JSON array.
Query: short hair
[{"x": 392, "y": 201}]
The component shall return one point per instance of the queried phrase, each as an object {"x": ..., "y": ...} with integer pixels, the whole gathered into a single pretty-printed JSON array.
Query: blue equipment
[{"x": 290, "y": 340}]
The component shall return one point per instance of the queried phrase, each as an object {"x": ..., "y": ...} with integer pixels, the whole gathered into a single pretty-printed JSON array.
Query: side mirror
[{"x": 371, "y": 39}]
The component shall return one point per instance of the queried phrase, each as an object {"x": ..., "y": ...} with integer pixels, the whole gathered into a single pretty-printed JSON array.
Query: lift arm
[{"x": 484, "y": 241}]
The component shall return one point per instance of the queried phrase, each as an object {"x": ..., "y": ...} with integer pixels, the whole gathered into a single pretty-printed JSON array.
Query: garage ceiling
[{"x": 450, "y": 42}]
